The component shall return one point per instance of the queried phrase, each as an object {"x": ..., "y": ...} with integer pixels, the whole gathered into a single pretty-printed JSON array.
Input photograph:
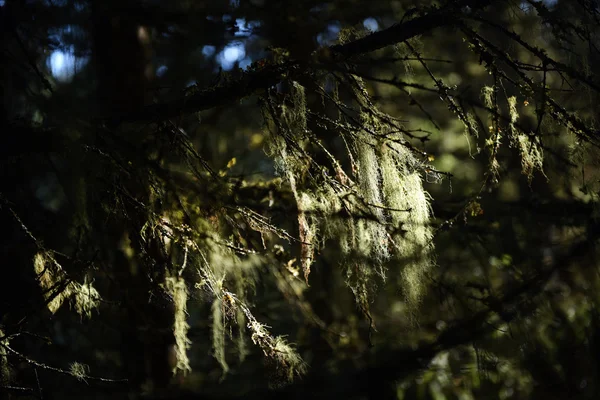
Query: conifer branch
[{"x": 271, "y": 74}]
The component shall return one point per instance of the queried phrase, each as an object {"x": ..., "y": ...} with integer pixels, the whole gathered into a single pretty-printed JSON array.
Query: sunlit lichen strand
[
  {"x": 286, "y": 148},
  {"x": 58, "y": 287},
  {"x": 532, "y": 154},
  {"x": 385, "y": 209},
  {"x": 4, "y": 368},
  {"x": 177, "y": 289},
  {"x": 219, "y": 266},
  {"x": 391, "y": 185},
  {"x": 409, "y": 213}
]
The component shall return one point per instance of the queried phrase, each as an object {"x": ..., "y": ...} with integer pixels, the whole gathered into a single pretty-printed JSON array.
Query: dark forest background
[{"x": 299, "y": 199}]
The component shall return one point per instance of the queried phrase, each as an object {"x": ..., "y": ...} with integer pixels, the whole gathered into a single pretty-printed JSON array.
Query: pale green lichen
[
  {"x": 495, "y": 140},
  {"x": 487, "y": 92},
  {"x": 51, "y": 278},
  {"x": 470, "y": 129},
  {"x": 390, "y": 184},
  {"x": 219, "y": 333},
  {"x": 4, "y": 367},
  {"x": 177, "y": 289},
  {"x": 286, "y": 147},
  {"x": 57, "y": 287},
  {"x": 379, "y": 218},
  {"x": 284, "y": 359},
  {"x": 86, "y": 299},
  {"x": 79, "y": 371},
  {"x": 229, "y": 308},
  {"x": 513, "y": 115},
  {"x": 532, "y": 155},
  {"x": 290, "y": 363},
  {"x": 371, "y": 230},
  {"x": 530, "y": 150},
  {"x": 410, "y": 213}
]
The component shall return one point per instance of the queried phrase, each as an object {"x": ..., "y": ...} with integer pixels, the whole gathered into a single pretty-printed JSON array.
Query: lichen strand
[
  {"x": 532, "y": 156},
  {"x": 513, "y": 115},
  {"x": 58, "y": 287},
  {"x": 391, "y": 186},
  {"x": 409, "y": 213},
  {"x": 79, "y": 371},
  {"x": 530, "y": 150},
  {"x": 288, "y": 364},
  {"x": 307, "y": 232},
  {"x": 286, "y": 147},
  {"x": 86, "y": 299},
  {"x": 4, "y": 368},
  {"x": 220, "y": 266},
  {"x": 371, "y": 232},
  {"x": 218, "y": 334},
  {"x": 487, "y": 93},
  {"x": 471, "y": 129},
  {"x": 361, "y": 281},
  {"x": 177, "y": 289},
  {"x": 385, "y": 213},
  {"x": 282, "y": 358}
]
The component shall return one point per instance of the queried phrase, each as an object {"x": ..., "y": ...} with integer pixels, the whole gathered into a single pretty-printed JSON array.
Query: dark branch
[
  {"x": 272, "y": 74},
  {"x": 444, "y": 16}
]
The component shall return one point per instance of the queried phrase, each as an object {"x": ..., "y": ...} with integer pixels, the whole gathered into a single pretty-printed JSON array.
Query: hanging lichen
[
  {"x": 219, "y": 264},
  {"x": 289, "y": 119},
  {"x": 86, "y": 299},
  {"x": 177, "y": 289},
  {"x": 390, "y": 185},
  {"x": 494, "y": 141},
  {"x": 513, "y": 116},
  {"x": 58, "y": 287},
  {"x": 219, "y": 333},
  {"x": 371, "y": 230},
  {"x": 4, "y": 368},
  {"x": 380, "y": 217},
  {"x": 409, "y": 212},
  {"x": 79, "y": 371},
  {"x": 283, "y": 358},
  {"x": 470, "y": 129},
  {"x": 532, "y": 154}
]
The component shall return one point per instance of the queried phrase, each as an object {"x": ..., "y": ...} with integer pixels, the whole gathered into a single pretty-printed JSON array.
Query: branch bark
[{"x": 270, "y": 75}]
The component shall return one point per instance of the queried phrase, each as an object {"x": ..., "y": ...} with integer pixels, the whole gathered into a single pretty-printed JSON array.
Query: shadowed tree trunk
[{"x": 122, "y": 53}]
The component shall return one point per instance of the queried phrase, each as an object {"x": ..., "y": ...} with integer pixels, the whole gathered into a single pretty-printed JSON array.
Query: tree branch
[{"x": 270, "y": 75}]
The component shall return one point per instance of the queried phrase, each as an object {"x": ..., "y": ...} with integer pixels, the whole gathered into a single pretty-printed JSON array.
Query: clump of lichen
[
  {"x": 4, "y": 368},
  {"x": 177, "y": 288},
  {"x": 58, "y": 287},
  {"x": 219, "y": 268},
  {"x": 79, "y": 371},
  {"x": 289, "y": 130},
  {"x": 380, "y": 217},
  {"x": 532, "y": 154},
  {"x": 409, "y": 213},
  {"x": 391, "y": 187}
]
